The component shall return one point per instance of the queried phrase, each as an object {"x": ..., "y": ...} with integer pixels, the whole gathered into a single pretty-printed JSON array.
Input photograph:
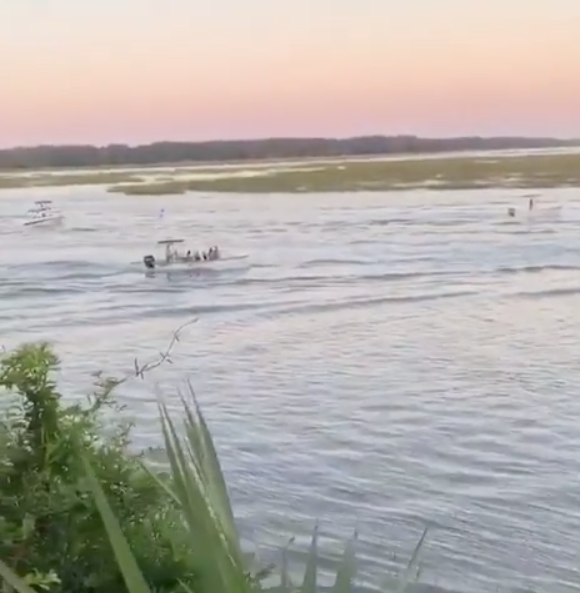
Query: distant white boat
[
  {"x": 43, "y": 214},
  {"x": 190, "y": 262}
]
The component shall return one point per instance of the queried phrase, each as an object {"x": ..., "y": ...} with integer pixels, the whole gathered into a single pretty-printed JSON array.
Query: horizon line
[{"x": 261, "y": 139}]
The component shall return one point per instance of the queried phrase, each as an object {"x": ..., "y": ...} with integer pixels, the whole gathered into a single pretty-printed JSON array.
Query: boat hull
[
  {"x": 218, "y": 265},
  {"x": 45, "y": 221}
]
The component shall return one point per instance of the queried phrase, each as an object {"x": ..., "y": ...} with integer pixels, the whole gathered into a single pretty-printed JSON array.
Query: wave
[
  {"x": 536, "y": 269},
  {"x": 333, "y": 262},
  {"x": 360, "y": 303},
  {"x": 528, "y": 231},
  {"x": 548, "y": 293},
  {"x": 21, "y": 291},
  {"x": 80, "y": 229},
  {"x": 109, "y": 314},
  {"x": 387, "y": 221},
  {"x": 294, "y": 281}
]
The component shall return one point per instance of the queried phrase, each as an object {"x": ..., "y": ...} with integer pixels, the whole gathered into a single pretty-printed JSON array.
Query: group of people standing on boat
[{"x": 211, "y": 254}]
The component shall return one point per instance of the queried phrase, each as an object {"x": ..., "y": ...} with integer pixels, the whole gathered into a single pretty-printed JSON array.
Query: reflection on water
[{"x": 385, "y": 359}]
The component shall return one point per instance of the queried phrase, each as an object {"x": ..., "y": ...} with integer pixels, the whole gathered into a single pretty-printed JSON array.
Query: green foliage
[
  {"x": 199, "y": 488},
  {"x": 51, "y": 531},
  {"x": 83, "y": 515}
]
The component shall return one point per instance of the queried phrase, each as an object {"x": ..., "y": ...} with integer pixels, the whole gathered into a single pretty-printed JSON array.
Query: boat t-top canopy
[
  {"x": 42, "y": 202},
  {"x": 169, "y": 241}
]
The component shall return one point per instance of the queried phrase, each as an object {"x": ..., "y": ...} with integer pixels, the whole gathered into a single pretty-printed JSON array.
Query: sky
[{"x": 135, "y": 71}]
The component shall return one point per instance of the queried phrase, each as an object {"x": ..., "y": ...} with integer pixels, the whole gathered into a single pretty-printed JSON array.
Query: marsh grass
[
  {"x": 447, "y": 173},
  {"x": 173, "y": 187},
  {"x": 530, "y": 171},
  {"x": 137, "y": 176},
  {"x": 16, "y": 181}
]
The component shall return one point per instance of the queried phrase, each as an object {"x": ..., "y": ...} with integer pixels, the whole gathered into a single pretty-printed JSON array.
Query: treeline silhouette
[{"x": 244, "y": 150}]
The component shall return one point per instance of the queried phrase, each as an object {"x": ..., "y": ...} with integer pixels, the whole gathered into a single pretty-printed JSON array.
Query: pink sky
[{"x": 143, "y": 70}]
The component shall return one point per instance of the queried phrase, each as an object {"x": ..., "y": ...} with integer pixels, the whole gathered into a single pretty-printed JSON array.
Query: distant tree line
[{"x": 245, "y": 150}]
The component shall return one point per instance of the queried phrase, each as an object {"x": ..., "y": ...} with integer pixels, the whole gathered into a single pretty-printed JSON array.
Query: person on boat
[
  {"x": 188, "y": 255},
  {"x": 197, "y": 257},
  {"x": 531, "y": 204},
  {"x": 212, "y": 254},
  {"x": 216, "y": 252},
  {"x": 205, "y": 256}
]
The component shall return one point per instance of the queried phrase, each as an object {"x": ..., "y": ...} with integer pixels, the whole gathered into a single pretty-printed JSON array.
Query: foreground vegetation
[
  {"x": 81, "y": 513},
  {"x": 530, "y": 171},
  {"x": 51, "y": 530}
]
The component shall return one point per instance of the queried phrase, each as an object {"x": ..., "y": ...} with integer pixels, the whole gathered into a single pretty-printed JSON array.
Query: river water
[{"x": 382, "y": 361}]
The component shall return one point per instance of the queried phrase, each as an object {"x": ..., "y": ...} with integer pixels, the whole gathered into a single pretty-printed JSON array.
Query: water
[{"x": 387, "y": 360}]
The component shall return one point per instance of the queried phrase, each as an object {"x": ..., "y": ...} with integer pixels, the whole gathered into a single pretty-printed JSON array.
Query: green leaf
[
  {"x": 195, "y": 485},
  {"x": 347, "y": 568},
  {"x": 413, "y": 563},
  {"x": 285, "y": 580},
  {"x": 132, "y": 575},
  {"x": 28, "y": 524},
  {"x": 13, "y": 579},
  {"x": 310, "y": 573}
]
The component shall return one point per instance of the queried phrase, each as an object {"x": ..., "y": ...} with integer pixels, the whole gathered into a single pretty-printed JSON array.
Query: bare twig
[
  {"x": 139, "y": 370},
  {"x": 163, "y": 356}
]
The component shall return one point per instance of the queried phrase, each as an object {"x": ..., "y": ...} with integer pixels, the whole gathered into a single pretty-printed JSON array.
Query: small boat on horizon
[
  {"x": 545, "y": 214},
  {"x": 43, "y": 214}
]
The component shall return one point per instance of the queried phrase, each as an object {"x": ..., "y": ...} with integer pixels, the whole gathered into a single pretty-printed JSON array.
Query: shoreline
[
  {"x": 204, "y": 153},
  {"x": 539, "y": 170}
]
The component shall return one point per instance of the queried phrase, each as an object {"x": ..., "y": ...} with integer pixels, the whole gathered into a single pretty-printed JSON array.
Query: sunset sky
[{"x": 144, "y": 70}]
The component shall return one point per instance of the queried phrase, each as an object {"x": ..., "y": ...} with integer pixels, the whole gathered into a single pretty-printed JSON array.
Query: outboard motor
[{"x": 149, "y": 261}]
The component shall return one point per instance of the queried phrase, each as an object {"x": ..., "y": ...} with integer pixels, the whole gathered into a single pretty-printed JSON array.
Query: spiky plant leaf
[
  {"x": 405, "y": 581},
  {"x": 310, "y": 573},
  {"x": 13, "y": 580},
  {"x": 132, "y": 575},
  {"x": 347, "y": 568},
  {"x": 196, "y": 489}
]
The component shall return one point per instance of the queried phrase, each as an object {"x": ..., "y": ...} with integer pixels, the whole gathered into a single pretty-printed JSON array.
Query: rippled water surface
[{"x": 382, "y": 359}]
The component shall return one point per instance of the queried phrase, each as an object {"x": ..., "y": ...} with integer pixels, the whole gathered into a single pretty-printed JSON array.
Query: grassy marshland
[
  {"x": 46, "y": 179},
  {"x": 531, "y": 171},
  {"x": 457, "y": 172}
]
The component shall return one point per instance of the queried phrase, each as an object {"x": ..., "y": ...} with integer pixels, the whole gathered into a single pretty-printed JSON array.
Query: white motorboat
[
  {"x": 43, "y": 214},
  {"x": 198, "y": 261}
]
